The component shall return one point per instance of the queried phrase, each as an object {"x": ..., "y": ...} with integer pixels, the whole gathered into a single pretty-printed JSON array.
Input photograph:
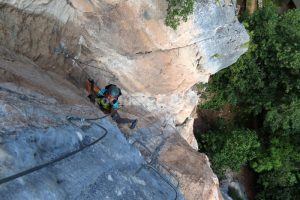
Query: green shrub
[
  {"x": 282, "y": 154},
  {"x": 284, "y": 119},
  {"x": 178, "y": 10},
  {"x": 266, "y": 76},
  {"x": 286, "y": 193},
  {"x": 240, "y": 147},
  {"x": 215, "y": 103},
  {"x": 230, "y": 149},
  {"x": 263, "y": 87}
]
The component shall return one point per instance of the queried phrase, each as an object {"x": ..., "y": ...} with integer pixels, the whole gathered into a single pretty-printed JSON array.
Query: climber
[{"x": 107, "y": 100}]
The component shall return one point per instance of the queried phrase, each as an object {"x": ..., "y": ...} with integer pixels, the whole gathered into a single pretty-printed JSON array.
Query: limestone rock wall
[
  {"x": 34, "y": 130},
  {"x": 130, "y": 45},
  {"x": 126, "y": 42}
]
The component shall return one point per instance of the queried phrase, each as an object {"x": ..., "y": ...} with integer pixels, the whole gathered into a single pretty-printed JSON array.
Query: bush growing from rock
[{"x": 178, "y": 10}]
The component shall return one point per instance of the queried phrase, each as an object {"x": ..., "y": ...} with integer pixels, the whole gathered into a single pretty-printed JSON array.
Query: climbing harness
[{"x": 104, "y": 102}]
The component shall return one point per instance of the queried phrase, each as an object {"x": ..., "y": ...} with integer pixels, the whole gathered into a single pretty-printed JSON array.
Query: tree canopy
[{"x": 263, "y": 89}]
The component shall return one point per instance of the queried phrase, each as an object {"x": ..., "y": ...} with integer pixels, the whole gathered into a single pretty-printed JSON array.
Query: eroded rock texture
[
  {"x": 126, "y": 42},
  {"x": 35, "y": 130},
  {"x": 131, "y": 46}
]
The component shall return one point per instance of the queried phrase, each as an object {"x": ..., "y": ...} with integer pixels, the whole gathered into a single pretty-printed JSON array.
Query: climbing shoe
[
  {"x": 92, "y": 98},
  {"x": 133, "y": 124}
]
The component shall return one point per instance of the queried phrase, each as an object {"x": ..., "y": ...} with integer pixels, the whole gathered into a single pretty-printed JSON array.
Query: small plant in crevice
[{"x": 178, "y": 10}]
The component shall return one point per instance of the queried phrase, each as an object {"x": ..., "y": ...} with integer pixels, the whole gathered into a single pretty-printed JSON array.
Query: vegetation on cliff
[
  {"x": 178, "y": 10},
  {"x": 263, "y": 90}
]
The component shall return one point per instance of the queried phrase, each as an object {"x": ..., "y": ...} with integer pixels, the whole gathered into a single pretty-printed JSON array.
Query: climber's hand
[{"x": 91, "y": 80}]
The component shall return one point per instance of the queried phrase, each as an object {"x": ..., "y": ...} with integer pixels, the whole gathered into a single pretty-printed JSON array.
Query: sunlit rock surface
[
  {"x": 35, "y": 130},
  {"x": 126, "y": 42},
  {"x": 129, "y": 43}
]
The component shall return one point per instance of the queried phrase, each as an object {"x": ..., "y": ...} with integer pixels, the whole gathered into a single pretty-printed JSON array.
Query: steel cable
[
  {"x": 66, "y": 54},
  {"x": 67, "y": 155},
  {"x": 163, "y": 178},
  {"x": 38, "y": 167}
]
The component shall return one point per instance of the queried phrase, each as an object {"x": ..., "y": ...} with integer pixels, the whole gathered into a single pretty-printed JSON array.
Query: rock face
[
  {"x": 130, "y": 45},
  {"x": 186, "y": 167},
  {"x": 126, "y": 42},
  {"x": 35, "y": 130}
]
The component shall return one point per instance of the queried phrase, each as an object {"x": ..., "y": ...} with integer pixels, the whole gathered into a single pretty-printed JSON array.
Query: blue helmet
[{"x": 114, "y": 91}]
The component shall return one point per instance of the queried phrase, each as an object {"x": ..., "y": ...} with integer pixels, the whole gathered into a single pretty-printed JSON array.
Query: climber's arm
[
  {"x": 92, "y": 88},
  {"x": 101, "y": 92},
  {"x": 115, "y": 106}
]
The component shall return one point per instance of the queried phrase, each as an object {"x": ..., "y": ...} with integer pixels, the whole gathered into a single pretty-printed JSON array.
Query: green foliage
[
  {"x": 289, "y": 27},
  {"x": 267, "y": 75},
  {"x": 284, "y": 119},
  {"x": 245, "y": 45},
  {"x": 215, "y": 103},
  {"x": 230, "y": 150},
  {"x": 282, "y": 154},
  {"x": 278, "y": 168},
  {"x": 218, "y": 56},
  {"x": 178, "y": 10},
  {"x": 275, "y": 179},
  {"x": 240, "y": 147},
  {"x": 264, "y": 87},
  {"x": 218, "y": 98},
  {"x": 286, "y": 193}
]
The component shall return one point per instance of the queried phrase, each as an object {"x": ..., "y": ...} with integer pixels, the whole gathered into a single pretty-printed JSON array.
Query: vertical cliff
[
  {"x": 36, "y": 130},
  {"x": 126, "y": 42}
]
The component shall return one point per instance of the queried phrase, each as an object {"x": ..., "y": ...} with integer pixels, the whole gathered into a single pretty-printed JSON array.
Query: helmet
[{"x": 114, "y": 91}]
